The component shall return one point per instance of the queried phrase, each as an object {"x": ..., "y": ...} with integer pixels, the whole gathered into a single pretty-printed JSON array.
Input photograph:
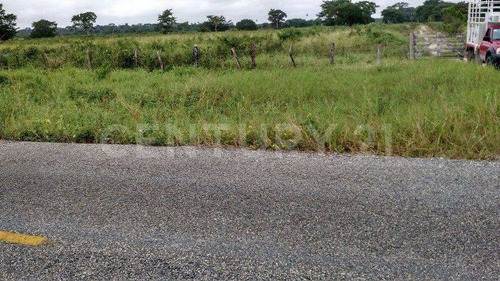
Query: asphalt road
[{"x": 126, "y": 212}]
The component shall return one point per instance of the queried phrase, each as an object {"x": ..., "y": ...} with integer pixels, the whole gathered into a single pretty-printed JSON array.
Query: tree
[
  {"x": 276, "y": 17},
  {"x": 183, "y": 27},
  {"x": 246, "y": 24},
  {"x": 44, "y": 29},
  {"x": 215, "y": 23},
  {"x": 108, "y": 29},
  {"x": 398, "y": 13},
  {"x": 298, "y": 23},
  {"x": 344, "y": 12},
  {"x": 85, "y": 21},
  {"x": 455, "y": 18},
  {"x": 431, "y": 10},
  {"x": 166, "y": 21},
  {"x": 8, "y": 28}
]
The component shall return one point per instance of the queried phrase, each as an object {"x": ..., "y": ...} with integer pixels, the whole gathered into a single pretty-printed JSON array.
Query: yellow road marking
[{"x": 23, "y": 239}]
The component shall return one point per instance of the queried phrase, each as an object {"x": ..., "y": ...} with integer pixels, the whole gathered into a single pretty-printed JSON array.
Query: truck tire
[
  {"x": 489, "y": 59},
  {"x": 491, "y": 62}
]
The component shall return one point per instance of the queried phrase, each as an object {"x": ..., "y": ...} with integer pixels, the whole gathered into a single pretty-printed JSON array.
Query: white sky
[{"x": 146, "y": 11}]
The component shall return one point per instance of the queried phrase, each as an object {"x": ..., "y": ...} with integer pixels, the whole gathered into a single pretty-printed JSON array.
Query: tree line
[
  {"x": 333, "y": 12},
  {"x": 453, "y": 15}
]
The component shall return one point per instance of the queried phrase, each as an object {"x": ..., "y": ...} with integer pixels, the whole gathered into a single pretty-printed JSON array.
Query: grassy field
[
  {"x": 117, "y": 52},
  {"x": 427, "y": 108}
]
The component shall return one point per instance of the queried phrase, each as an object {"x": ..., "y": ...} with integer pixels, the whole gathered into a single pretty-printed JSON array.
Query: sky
[{"x": 146, "y": 11}]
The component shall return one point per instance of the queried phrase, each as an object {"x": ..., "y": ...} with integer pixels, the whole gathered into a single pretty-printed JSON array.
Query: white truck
[{"x": 483, "y": 31}]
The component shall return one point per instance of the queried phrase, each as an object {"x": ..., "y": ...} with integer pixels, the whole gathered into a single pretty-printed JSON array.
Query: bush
[
  {"x": 103, "y": 72},
  {"x": 4, "y": 80},
  {"x": 292, "y": 34}
]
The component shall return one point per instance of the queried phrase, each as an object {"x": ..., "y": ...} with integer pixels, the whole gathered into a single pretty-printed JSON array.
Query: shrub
[
  {"x": 292, "y": 34},
  {"x": 4, "y": 80}
]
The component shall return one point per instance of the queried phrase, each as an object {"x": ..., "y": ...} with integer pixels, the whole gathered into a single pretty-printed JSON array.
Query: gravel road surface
[{"x": 129, "y": 212}]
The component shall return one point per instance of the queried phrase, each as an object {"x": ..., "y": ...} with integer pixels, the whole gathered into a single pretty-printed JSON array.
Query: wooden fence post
[
  {"x": 379, "y": 54},
  {"x": 196, "y": 55},
  {"x": 136, "y": 58},
  {"x": 412, "y": 46},
  {"x": 160, "y": 61},
  {"x": 332, "y": 53},
  {"x": 253, "y": 53},
  {"x": 439, "y": 42},
  {"x": 290, "y": 53},
  {"x": 89, "y": 60},
  {"x": 233, "y": 50},
  {"x": 44, "y": 61}
]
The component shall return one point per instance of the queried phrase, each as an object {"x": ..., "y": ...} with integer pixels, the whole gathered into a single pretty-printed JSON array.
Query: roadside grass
[{"x": 428, "y": 108}]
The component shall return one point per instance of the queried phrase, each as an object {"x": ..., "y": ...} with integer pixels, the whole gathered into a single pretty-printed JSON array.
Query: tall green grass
[
  {"x": 431, "y": 108},
  {"x": 176, "y": 50}
]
